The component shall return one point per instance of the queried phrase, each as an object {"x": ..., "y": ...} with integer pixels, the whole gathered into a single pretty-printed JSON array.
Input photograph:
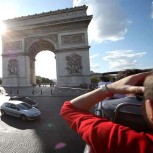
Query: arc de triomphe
[{"x": 64, "y": 32}]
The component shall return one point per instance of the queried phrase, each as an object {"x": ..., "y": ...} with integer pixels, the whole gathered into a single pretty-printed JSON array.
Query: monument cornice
[
  {"x": 74, "y": 48},
  {"x": 15, "y": 54},
  {"x": 59, "y": 11},
  {"x": 53, "y": 17},
  {"x": 48, "y": 29},
  {"x": 30, "y": 25}
]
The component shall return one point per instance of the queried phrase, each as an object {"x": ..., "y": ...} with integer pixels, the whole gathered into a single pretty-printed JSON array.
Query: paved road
[{"x": 49, "y": 134}]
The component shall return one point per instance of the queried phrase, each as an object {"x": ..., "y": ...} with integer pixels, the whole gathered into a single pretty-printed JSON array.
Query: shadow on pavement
[
  {"x": 18, "y": 123},
  {"x": 51, "y": 132}
]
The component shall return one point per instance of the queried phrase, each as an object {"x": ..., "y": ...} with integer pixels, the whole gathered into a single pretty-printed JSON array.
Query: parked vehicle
[
  {"x": 25, "y": 99},
  {"x": 20, "y": 109}
]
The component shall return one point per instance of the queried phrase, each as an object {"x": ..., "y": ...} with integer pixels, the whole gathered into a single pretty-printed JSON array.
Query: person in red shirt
[{"x": 103, "y": 135}]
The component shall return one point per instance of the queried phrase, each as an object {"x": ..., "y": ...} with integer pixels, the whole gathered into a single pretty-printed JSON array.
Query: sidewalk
[{"x": 42, "y": 91}]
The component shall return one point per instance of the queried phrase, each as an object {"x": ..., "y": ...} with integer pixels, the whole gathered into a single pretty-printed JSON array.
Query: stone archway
[
  {"x": 34, "y": 48},
  {"x": 63, "y": 32}
]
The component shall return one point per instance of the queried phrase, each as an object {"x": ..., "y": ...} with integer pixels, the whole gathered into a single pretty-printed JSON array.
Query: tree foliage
[
  {"x": 95, "y": 79},
  {"x": 42, "y": 80}
]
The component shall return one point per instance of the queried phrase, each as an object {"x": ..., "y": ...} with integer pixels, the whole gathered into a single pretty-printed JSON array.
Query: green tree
[
  {"x": 95, "y": 80},
  {"x": 41, "y": 80},
  {"x": 38, "y": 79}
]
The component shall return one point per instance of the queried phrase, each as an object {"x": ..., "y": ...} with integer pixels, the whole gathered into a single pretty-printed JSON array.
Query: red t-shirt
[{"x": 105, "y": 136}]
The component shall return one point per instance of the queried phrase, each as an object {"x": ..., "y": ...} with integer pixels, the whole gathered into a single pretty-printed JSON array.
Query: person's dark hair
[
  {"x": 127, "y": 72},
  {"x": 148, "y": 84}
]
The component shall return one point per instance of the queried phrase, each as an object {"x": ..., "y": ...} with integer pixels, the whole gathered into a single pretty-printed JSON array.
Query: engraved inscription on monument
[
  {"x": 16, "y": 45},
  {"x": 72, "y": 39},
  {"x": 74, "y": 64}
]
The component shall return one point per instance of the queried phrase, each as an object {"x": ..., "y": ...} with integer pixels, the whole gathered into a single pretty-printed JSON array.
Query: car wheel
[
  {"x": 3, "y": 112},
  {"x": 23, "y": 117}
]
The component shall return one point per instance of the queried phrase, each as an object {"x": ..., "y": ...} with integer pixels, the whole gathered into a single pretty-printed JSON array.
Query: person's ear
[{"x": 150, "y": 113}]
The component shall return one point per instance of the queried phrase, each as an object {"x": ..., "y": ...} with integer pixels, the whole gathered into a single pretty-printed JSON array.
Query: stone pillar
[
  {"x": 15, "y": 65},
  {"x": 73, "y": 67}
]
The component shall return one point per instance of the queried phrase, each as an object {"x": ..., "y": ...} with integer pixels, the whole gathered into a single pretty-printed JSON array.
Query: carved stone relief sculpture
[
  {"x": 12, "y": 67},
  {"x": 74, "y": 64}
]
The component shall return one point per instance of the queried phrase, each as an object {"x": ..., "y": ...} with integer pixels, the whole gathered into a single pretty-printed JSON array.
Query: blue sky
[{"x": 120, "y": 33}]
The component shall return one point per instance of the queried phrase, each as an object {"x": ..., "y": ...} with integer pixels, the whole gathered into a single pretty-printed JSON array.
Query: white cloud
[
  {"x": 94, "y": 65},
  {"x": 123, "y": 59},
  {"x": 94, "y": 56},
  {"x": 108, "y": 21}
]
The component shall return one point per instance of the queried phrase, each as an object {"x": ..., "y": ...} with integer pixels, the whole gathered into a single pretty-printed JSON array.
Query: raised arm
[{"x": 123, "y": 86}]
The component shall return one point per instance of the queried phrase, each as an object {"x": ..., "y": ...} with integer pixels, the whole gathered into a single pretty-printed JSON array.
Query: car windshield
[{"x": 24, "y": 106}]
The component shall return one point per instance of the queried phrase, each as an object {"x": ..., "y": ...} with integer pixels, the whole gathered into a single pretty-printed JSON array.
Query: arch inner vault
[{"x": 64, "y": 32}]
